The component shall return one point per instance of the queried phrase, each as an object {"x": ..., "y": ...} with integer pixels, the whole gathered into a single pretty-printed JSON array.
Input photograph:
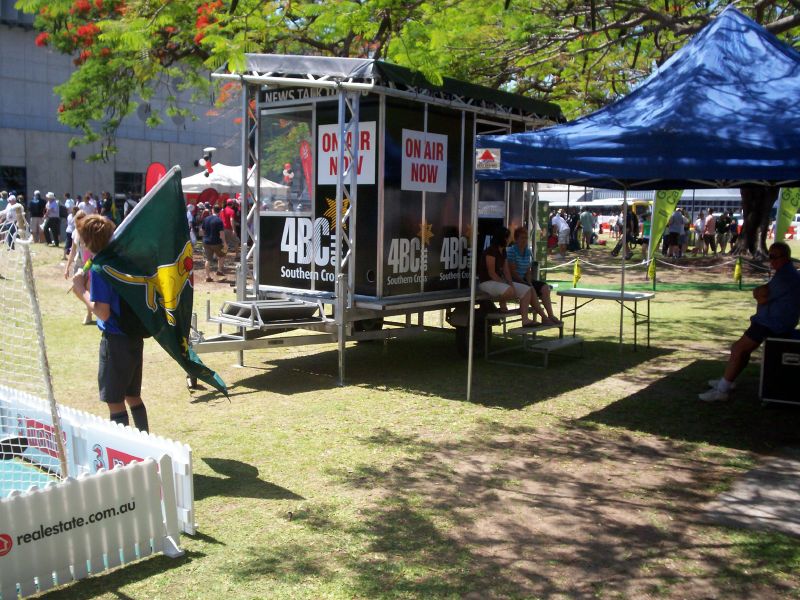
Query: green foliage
[{"x": 580, "y": 55}]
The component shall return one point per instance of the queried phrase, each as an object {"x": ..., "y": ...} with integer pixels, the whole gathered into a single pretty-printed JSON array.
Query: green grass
[{"x": 395, "y": 486}]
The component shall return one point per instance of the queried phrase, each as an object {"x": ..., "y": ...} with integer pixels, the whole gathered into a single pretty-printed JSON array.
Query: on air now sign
[
  {"x": 424, "y": 166},
  {"x": 329, "y": 145}
]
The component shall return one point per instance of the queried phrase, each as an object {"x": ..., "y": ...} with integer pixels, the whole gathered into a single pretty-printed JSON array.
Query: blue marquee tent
[{"x": 724, "y": 111}]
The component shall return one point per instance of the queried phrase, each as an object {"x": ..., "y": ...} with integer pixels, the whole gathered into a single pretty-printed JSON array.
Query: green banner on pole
[
  {"x": 663, "y": 207},
  {"x": 787, "y": 209}
]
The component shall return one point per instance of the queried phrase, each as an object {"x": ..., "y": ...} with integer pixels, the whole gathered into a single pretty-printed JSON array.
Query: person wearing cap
[
  {"x": 8, "y": 220},
  {"x": 229, "y": 237},
  {"x": 52, "y": 225},
  {"x": 777, "y": 315},
  {"x": 36, "y": 208}
]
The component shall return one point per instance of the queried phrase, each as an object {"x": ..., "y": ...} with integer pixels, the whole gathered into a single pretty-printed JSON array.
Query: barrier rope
[
  {"x": 566, "y": 264},
  {"x": 646, "y": 262},
  {"x": 628, "y": 265},
  {"x": 669, "y": 264}
]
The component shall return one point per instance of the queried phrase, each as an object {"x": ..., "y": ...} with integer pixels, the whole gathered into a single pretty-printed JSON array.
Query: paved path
[{"x": 766, "y": 498}]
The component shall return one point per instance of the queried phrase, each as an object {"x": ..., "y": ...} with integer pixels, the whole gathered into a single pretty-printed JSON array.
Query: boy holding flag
[{"x": 119, "y": 373}]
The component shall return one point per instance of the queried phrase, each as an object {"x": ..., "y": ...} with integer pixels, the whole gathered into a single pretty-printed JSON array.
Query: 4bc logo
[{"x": 302, "y": 240}]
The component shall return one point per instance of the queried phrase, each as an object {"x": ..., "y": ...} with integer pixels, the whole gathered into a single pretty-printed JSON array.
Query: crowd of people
[
  {"x": 51, "y": 219},
  {"x": 572, "y": 230},
  {"x": 216, "y": 225}
]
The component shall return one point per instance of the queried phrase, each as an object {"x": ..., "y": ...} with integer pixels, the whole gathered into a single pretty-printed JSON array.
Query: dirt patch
[{"x": 580, "y": 513}]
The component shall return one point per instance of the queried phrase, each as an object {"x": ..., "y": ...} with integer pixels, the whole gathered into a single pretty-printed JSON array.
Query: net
[{"x": 32, "y": 448}]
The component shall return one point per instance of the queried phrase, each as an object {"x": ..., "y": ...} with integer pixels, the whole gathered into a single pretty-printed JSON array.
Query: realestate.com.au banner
[
  {"x": 79, "y": 527},
  {"x": 63, "y": 526}
]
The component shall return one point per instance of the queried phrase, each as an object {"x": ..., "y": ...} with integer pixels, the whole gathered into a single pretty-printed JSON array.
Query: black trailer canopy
[{"x": 307, "y": 70}]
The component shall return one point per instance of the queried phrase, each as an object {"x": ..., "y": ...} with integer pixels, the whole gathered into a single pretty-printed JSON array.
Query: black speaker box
[{"x": 780, "y": 371}]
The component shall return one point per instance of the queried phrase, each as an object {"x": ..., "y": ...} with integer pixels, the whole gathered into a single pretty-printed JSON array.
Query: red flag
[
  {"x": 154, "y": 172},
  {"x": 305, "y": 161}
]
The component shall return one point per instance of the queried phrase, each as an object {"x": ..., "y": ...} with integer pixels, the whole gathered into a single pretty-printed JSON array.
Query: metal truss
[
  {"x": 346, "y": 202},
  {"x": 251, "y": 195}
]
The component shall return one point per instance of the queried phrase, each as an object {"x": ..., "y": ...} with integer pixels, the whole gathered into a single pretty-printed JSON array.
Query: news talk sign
[
  {"x": 328, "y": 146},
  {"x": 424, "y": 166}
]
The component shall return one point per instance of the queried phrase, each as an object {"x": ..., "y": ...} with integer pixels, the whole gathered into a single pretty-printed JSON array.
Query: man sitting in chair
[
  {"x": 777, "y": 314},
  {"x": 495, "y": 278},
  {"x": 519, "y": 263}
]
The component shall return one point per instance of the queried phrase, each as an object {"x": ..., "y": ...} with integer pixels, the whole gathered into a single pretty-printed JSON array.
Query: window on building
[
  {"x": 13, "y": 179},
  {"x": 129, "y": 183}
]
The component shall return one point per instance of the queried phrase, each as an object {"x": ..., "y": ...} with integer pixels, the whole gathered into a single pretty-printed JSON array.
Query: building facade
[{"x": 34, "y": 146}]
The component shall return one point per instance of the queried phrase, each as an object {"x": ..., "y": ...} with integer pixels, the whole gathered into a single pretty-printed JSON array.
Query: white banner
[
  {"x": 94, "y": 443},
  {"x": 328, "y": 153},
  {"x": 64, "y": 532},
  {"x": 424, "y": 162}
]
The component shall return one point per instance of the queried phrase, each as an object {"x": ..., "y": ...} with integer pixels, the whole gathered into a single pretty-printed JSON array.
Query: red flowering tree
[{"x": 581, "y": 54}]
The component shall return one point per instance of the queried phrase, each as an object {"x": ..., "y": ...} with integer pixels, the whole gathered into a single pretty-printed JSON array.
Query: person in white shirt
[
  {"x": 699, "y": 223},
  {"x": 561, "y": 229},
  {"x": 68, "y": 241},
  {"x": 89, "y": 205},
  {"x": 80, "y": 251},
  {"x": 52, "y": 226},
  {"x": 8, "y": 220}
]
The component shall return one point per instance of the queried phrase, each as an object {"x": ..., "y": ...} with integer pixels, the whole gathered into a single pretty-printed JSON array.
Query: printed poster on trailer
[
  {"x": 424, "y": 166},
  {"x": 328, "y": 153}
]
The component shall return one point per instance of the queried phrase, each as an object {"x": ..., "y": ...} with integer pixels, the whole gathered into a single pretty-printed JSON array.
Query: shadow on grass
[
  {"x": 239, "y": 480},
  {"x": 429, "y": 365},
  {"x": 512, "y": 512},
  {"x": 669, "y": 407},
  {"x": 111, "y": 582}
]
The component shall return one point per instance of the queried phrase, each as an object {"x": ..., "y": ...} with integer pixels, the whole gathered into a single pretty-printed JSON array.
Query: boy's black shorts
[{"x": 119, "y": 373}]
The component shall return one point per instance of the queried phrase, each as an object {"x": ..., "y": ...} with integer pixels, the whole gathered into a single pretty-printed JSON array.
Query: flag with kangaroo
[{"x": 149, "y": 263}]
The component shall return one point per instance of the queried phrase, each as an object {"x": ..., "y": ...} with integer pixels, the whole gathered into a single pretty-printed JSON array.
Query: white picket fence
[
  {"x": 94, "y": 444},
  {"x": 83, "y": 526}
]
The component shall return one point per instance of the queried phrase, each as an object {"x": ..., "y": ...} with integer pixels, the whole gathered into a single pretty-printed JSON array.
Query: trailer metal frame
[{"x": 341, "y": 315}]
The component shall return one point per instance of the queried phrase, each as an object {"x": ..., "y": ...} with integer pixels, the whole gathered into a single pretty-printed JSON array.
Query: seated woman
[{"x": 495, "y": 278}]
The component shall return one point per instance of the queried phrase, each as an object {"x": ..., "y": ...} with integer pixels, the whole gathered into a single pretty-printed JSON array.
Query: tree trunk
[{"x": 757, "y": 202}]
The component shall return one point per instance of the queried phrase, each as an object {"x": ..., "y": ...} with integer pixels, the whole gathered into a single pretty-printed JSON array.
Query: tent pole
[
  {"x": 624, "y": 253},
  {"x": 473, "y": 266},
  {"x": 533, "y": 224}
]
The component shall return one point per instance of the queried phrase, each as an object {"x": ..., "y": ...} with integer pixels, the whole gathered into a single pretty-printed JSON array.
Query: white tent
[{"x": 227, "y": 179}]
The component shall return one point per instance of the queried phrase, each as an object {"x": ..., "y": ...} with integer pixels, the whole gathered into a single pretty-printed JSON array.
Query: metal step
[{"x": 271, "y": 314}]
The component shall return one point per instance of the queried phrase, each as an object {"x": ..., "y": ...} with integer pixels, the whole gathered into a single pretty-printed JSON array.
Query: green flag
[
  {"x": 787, "y": 209},
  {"x": 149, "y": 263},
  {"x": 663, "y": 207}
]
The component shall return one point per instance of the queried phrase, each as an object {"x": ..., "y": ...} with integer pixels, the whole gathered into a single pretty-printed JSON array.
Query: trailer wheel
[
  {"x": 462, "y": 338},
  {"x": 368, "y": 325}
]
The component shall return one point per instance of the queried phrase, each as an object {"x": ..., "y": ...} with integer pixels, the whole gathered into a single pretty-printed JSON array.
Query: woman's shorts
[{"x": 498, "y": 288}]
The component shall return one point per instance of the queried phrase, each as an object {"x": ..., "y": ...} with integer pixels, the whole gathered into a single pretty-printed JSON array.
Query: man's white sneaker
[
  {"x": 714, "y": 395},
  {"x": 715, "y": 382}
]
